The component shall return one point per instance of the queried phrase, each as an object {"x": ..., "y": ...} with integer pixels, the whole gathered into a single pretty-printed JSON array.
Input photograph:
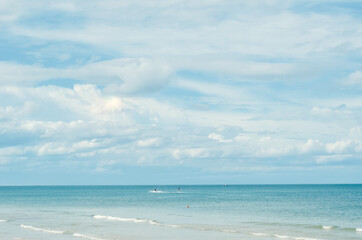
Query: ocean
[{"x": 299, "y": 212}]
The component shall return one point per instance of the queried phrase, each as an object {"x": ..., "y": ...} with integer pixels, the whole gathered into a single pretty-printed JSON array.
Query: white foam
[
  {"x": 280, "y": 236},
  {"x": 306, "y": 238},
  {"x": 327, "y": 227},
  {"x": 135, "y": 220},
  {"x": 139, "y": 220},
  {"x": 153, "y": 191},
  {"x": 259, "y": 234},
  {"x": 86, "y": 236},
  {"x": 41, "y": 229},
  {"x": 170, "y": 225},
  {"x": 2, "y": 220},
  {"x": 153, "y": 222},
  {"x": 358, "y": 229}
]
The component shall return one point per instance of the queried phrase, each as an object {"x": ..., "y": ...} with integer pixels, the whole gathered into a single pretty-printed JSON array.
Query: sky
[{"x": 180, "y": 92}]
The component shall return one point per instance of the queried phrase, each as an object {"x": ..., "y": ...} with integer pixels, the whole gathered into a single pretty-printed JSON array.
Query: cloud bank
[{"x": 213, "y": 90}]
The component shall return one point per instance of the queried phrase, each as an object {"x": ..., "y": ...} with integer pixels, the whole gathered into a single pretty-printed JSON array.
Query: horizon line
[{"x": 214, "y": 184}]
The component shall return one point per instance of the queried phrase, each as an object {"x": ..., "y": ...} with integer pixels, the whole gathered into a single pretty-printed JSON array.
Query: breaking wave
[
  {"x": 42, "y": 229},
  {"x": 86, "y": 236},
  {"x": 135, "y": 220},
  {"x": 327, "y": 227},
  {"x": 280, "y": 236},
  {"x": 259, "y": 234}
]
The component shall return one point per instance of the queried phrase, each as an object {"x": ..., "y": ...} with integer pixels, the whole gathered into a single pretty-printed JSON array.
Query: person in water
[{"x": 179, "y": 189}]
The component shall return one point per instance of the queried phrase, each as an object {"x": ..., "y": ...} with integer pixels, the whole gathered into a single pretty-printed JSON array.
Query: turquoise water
[{"x": 299, "y": 212}]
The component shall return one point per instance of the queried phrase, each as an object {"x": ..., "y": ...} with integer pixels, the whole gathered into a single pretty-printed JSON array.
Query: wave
[
  {"x": 2, "y": 220},
  {"x": 259, "y": 234},
  {"x": 339, "y": 228},
  {"x": 60, "y": 232},
  {"x": 295, "y": 238},
  {"x": 86, "y": 236},
  {"x": 302, "y": 225},
  {"x": 305, "y": 238},
  {"x": 135, "y": 220},
  {"x": 351, "y": 229},
  {"x": 153, "y": 222},
  {"x": 42, "y": 229},
  {"x": 280, "y": 236},
  {"x": 327, "y": 227},
  {"x": 283, "y": 236}
]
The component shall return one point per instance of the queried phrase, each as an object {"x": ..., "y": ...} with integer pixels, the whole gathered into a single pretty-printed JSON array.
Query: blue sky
[{"x": 180, "y": 92}]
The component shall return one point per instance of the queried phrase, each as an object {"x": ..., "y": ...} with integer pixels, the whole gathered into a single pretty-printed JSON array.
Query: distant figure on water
[
  {"x": 179, "y": 189},
  {"x": 187, "y": 206}
]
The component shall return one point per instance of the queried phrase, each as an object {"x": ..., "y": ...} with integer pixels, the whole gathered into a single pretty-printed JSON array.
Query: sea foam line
[
  {"x": 153, "y": 222},
  {"x": 86, "y": 236},
  {"x": 135, "y": 220},
  {"x": 259, "y": 234},
  {"x": 358, "y": 229},
  {"x": 41, "y": 229},
  {"x": 2, "y": 220},
  {"x": 283, "y": 236}
]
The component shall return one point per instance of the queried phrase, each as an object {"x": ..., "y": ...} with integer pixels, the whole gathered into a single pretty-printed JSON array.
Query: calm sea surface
[{"x": 299, "y": 212}]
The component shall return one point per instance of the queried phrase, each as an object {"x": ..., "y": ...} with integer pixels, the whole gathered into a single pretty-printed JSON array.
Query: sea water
[{"x": 298, "y": 212}]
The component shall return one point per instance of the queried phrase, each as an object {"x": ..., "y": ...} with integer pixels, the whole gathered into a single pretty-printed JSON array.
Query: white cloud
[
  {"x": 354, "y": 78},
  {"x": 311, "y": 146},
  {"x": 246, "y": 70},
  {"x": 274, "y": 151},
  {"x": 190, "y": 153},
  {"x": 195, "y": 36},
  {"x": 244, "y": 32},
  {"x": 338, "y": 146},
  {"x": 151, "y": 142},
  {"x": 13, "y": 73},
  {"x": 119, "y": 75},
  {"x": 219, "y": 138},
  {"x": 125, "y": 75},
  {"x": 333, "y": 158},
  {"x": 54, "y": 148}
]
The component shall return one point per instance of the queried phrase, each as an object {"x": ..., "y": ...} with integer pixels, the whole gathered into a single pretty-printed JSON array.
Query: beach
[{"x": 299, "y": 212}]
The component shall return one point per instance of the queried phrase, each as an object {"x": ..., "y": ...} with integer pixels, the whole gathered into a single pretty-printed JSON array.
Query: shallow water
[{"x": 299, "y": 212}]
